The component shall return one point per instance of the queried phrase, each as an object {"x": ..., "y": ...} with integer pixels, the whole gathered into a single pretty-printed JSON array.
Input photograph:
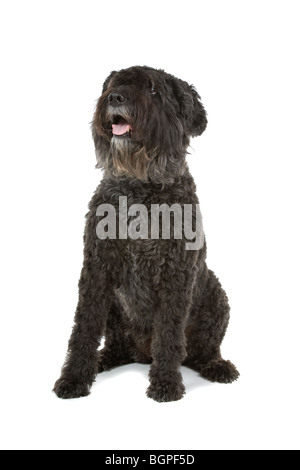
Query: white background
[{"x": 243, "y": 57}]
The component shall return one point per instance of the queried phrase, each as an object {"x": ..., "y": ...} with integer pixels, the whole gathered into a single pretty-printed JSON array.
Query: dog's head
[{"x": 143, "y": 123}]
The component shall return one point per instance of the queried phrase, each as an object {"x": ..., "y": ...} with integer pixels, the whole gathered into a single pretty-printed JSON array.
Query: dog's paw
[
  {"x": 220, "y": 371},
  {"x": 166, "y": 391},
  {"x": 67, "y": 389}
]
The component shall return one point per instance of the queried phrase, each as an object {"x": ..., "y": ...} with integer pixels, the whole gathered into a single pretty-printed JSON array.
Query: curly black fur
[{"x": 154, "y": 301}]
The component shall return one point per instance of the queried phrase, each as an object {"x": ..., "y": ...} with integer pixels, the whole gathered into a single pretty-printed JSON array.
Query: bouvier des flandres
[{"x": 152, "y": 297}]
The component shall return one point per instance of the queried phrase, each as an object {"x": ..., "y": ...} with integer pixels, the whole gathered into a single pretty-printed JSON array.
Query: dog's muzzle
[
  {"x": 115, "y": 99},
  {"x": 121, "y": 127},
  {"x": 120, "y": 120}
]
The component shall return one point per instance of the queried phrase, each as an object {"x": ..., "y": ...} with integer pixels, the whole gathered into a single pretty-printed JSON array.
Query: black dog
[{"x": 153, "y": 299}]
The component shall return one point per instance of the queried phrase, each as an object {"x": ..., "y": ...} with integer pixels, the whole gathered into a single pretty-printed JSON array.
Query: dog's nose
[{"x": 115, "y": 99}]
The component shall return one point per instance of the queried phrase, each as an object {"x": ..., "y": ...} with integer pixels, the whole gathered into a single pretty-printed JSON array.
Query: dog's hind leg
[
  {"x": 205, "y": 332},
  {"x": 119, "y": 345}
]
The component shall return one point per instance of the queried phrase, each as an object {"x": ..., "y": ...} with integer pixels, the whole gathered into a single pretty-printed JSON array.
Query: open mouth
[{"x": 121, "y": 127}]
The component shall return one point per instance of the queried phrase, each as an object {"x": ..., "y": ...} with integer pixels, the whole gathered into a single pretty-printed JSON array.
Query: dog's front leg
[
  {"x": 80, "y": 369},
  {"x": 168, "y": 343}
]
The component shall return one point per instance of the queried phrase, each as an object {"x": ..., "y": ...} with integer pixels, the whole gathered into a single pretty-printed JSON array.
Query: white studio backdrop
[{"x": 243, "y": 57}]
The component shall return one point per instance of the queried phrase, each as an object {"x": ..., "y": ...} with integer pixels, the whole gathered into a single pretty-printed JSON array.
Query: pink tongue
[{"x": 121, "y": 128}]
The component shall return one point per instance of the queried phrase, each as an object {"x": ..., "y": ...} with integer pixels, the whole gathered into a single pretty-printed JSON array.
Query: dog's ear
[
  {"x": 199, "y": 118},
  {"x": 107, "y": 81},
  {"x": 191, "y": 108}
]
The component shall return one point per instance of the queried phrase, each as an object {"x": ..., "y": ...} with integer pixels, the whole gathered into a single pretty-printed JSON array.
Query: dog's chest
[{"x": 138, "y": 280}]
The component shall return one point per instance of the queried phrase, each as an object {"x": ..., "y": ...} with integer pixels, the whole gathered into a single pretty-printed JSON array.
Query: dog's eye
[{"x": 152, "y": 88}]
